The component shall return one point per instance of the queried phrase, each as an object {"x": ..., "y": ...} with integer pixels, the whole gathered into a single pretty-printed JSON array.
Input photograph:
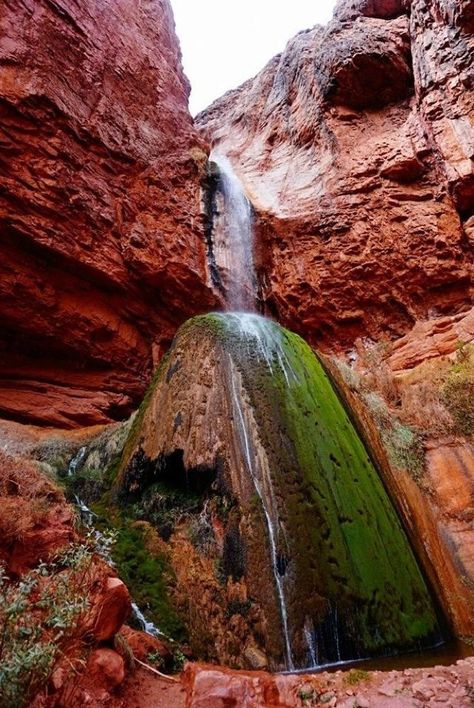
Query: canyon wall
[
  {"x": 356, "y": 148},
  {"x": 100, "y": 228}
]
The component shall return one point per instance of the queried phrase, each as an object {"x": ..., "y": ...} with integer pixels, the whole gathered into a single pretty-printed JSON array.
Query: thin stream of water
[
  {"x": 88, "y": 516},
  {"x": 233, "y": 239},
  {"x": 244, "y": 436}
]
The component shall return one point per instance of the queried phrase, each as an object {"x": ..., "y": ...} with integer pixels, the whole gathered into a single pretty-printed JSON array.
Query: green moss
[
  {"x": 343, "y": 536},
  {"x": 147, "y": 576},
  {"x": 348, "y": 558},
  {"x": 110, "y": 473}
]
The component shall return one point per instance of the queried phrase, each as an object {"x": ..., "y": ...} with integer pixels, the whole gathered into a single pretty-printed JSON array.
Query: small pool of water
[{"x": 444, "y": 655}]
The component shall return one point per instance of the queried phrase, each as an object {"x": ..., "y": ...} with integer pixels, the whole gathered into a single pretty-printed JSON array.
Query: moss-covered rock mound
[{"x": 242, "y": 414}]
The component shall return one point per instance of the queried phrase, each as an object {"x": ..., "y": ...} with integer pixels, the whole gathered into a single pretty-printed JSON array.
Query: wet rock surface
[{"x": 289, "y": 559}]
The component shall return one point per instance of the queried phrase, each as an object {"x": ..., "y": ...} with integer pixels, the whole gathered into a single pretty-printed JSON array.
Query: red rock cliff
[
  {"x": 100, "y": 229},
  {"x": 356, "y": 146}
]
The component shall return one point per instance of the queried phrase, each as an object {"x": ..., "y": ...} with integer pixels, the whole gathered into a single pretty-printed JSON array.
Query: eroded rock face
[
  {"x": 355, "y": 146},
  {"x": 102, "y": 241},
  {"x": 296, "y": 556},
  {"x": 425, "y": 382}
]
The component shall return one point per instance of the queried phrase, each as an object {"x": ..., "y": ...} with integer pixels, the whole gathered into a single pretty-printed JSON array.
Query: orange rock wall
[
  {"x": 356, "y": 147},
  {"x": 100, "y": 228},
  {"x": 437, "y": 503}
]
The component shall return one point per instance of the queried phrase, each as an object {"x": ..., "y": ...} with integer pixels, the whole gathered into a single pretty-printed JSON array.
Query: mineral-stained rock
[
  {"x": 100, "y": 229},
  {"x": 294, "y": 514},
  {"x": 356, "y": 148}
]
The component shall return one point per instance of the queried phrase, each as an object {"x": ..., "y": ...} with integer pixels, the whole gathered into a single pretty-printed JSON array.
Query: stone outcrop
[
  {"x": 356, "y": 148},
  {"x": 423, "y": 384},
  {"x": 290, "y": 558},
  {"x": 431, "y": 339},
  {"x": 442, "y": 511},
  {"x": 109, "y": 610},
  {"x": 212, "y": 687},
  {"x": 35, "y": 521},
  {"x": 103, "y": 250}
]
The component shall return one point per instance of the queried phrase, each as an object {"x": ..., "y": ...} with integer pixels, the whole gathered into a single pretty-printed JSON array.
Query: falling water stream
[
  {"x": 233, "y": 238},
  {"x": 87, "y": 518},
  {"x": 260, "y": 345},
  {"x": 267, "y": 499},
  {"x": 233, "y": 253}
]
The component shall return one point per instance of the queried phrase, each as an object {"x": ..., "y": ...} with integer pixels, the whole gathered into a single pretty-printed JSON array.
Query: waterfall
[
  {"x": 267, "y": 500},
  {"x": 87, "y": 518},
  {"x": 232, "y": 238},
  {"x": 311, "y": 531},
  {"x": 327, "y": 516},
  {"x": 76, "y": 461}
]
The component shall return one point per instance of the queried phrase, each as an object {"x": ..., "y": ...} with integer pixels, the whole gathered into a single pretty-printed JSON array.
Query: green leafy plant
[
  {"x": 39, "y": 615},
  {"x": 155, "y": 658},
  {"x": 179, "y": 660}
]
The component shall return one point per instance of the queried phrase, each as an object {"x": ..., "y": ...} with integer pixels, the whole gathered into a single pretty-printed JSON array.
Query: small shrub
[
  {"x": 39, "y": 615},
  {"x": 457, "y": 394},
  {"x": 405, "y": 447},
  {"x": 404, "y": 444},
  {"x": 355, "y": 676},
  {"x": 350, "y": 377},
  {"x": 156, "y": 659},
  {"x": 179, "y": 660},
  {"x": 198, "y": 156},
  {"x": 463, "y": 352}
]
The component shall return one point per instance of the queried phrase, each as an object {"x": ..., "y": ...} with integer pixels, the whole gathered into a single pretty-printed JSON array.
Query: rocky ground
[
  {"x": 204, "y": 686},
  {"x": 451, "y": 686}
]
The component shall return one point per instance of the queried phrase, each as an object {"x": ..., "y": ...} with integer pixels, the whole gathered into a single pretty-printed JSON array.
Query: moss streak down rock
[{"x": 242, "y": 396}]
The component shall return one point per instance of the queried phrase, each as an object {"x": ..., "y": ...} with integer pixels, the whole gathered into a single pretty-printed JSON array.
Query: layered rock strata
[
  {"x": 356, "y": 148},
  {"x": 103, "y": 250}
]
